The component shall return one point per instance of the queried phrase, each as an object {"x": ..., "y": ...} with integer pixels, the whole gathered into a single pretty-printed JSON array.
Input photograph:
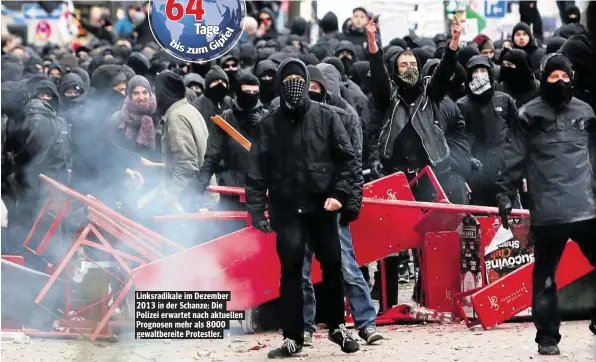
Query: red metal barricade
[
  {"x": 110, "y": 232},
  {"x": 245, "y": 262}
]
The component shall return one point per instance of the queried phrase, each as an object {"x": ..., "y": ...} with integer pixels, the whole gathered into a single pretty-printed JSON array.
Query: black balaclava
[
  {"x": 316, "y": 76},
  {"x": 409, "y": 81},
  {"x": 556, "y": 94},
  {"x": 572, "y": 15},
  {"x": 479, "y": 87},
  {"x": 346, "y": 46},
  {"x": 268, "y": 89},
  {"x": 520, "y": 78},
  {"x": 293, "y": 92},
  {"x": 244, "y": 100},
  {"x": 72, "y": 81},
  {"x": 201, "y": 68},
  {"x": 169, "y": 89},
  {"x": 232, "y": 74},
  {"x": 217, "y": 93}
]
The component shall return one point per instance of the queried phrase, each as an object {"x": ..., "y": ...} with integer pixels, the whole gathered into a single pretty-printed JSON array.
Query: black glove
[
  {"x": 376, "y": 169},
  {"x": 476, "y": 164},
  {"x": 261, "y": 223},
  {"x": 347, "y": 216},
  {"x": 505, "y": 207}
]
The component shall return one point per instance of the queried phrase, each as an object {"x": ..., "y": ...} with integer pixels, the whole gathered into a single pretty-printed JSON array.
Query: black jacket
[
  {"x": 36, "y": 142},
  {"x": 581, "y": 51},
  {"x": 523, "y": 97},
  {"x": 426, "y": 118},
  {"x": 303, "y": 156},
  {"x": 351, "y": 122},
  {"x": 222, "y": 147},
  {"x": 486, "y": 126},
  {"x": 551, "y": 150}
]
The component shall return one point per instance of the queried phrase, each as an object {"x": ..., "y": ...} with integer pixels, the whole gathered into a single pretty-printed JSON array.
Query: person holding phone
[{"x": 267, "y": 29}]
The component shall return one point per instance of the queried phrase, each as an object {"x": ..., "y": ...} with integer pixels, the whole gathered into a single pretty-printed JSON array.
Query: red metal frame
[
  {"x": 245, "y": 262},
  {"x": 111, "y": 229}
]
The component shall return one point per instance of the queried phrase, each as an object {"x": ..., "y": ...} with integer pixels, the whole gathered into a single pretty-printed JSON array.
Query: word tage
[{"x": 183, "y": 315}]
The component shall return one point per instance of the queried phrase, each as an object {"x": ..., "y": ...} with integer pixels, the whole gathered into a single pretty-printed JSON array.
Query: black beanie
[
  {"x": 522, "y": 26},
  {"x": 171, "y": 84},
  {"x": 554, "y": 62},
  {"x": 295, "y": 67},
  {"x": 247, "y": 79}
]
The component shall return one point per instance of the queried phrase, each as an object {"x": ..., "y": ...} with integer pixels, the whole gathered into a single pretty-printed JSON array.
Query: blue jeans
[{"x": 361, "y": 304}]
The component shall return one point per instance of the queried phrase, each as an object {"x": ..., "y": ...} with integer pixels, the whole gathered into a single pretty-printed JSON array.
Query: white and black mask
[{"x": 293, "y": 89}]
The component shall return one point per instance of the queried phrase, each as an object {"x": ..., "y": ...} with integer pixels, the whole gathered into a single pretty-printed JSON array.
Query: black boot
[{"x": 548, "y": 350}]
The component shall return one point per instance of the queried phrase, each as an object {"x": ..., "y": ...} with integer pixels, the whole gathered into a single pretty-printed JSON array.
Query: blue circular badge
[{"x": 193, "y": 30}]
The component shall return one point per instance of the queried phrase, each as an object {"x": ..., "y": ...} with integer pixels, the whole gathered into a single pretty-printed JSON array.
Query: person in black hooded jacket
[
  {"x": 267, "y": 26},
  {"x": 265, "y": 71},
  {"x": 346, "y": 52},
  {"x": 42, "y": 87},
  {"x": 488, "y": 115},
  {"x": 330, "y": 30},
  {"x": 231, "y": 66},
  {"x": 308, "y": 183},
  {"x": 355, "y": 94},
  {"x": 214, "y": 99},
  {"x": 414, "y": 133},
  {"x": 355, "y": 31},
  {"x": 552, "y": 146},
  {"x": 244, "y": 116},
  {"x": 325, "y": 87},
  {"x": 524, "y": 39},
  {"x": 571, "y": 23},
  {"x": 34, "y": 65},
  {"x": 517, "y": 77},
  {"x": 73, "y": 94},
  {"x": 36, "y": 142},
  {"x": 581, "y": 50}
]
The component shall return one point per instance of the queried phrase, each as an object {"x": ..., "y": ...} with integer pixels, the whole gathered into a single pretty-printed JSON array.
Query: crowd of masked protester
[{"x": 121, "y": 119}]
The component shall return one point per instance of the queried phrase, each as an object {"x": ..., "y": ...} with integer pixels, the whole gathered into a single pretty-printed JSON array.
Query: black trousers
[
  {"x": 318, "y": 228},
  {"x": 550, "y": 242}
]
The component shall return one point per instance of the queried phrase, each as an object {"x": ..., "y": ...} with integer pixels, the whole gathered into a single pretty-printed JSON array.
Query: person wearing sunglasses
[{"x": 267, "y": 29}]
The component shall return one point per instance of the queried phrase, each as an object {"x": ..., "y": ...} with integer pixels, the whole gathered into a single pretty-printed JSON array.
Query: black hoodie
[
  {"x": 268, "y": 90},
  {"x": 72, "y": 106},
  {"x": 299, "y": 179},
  {"x": 206, "y": 105},
  {"x": 535, "y": 54},
  {"x": 519, "y": 82}
]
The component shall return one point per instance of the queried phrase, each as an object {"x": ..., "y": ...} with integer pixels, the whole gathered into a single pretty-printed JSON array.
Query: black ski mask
[
  {"x": 316, "y": 96},
  {"x": 347, "y": 62},
  {"x": 558, "y": 93},
  {"x": 246, "y": 100},
  {"x": 217, "y": 92}
]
